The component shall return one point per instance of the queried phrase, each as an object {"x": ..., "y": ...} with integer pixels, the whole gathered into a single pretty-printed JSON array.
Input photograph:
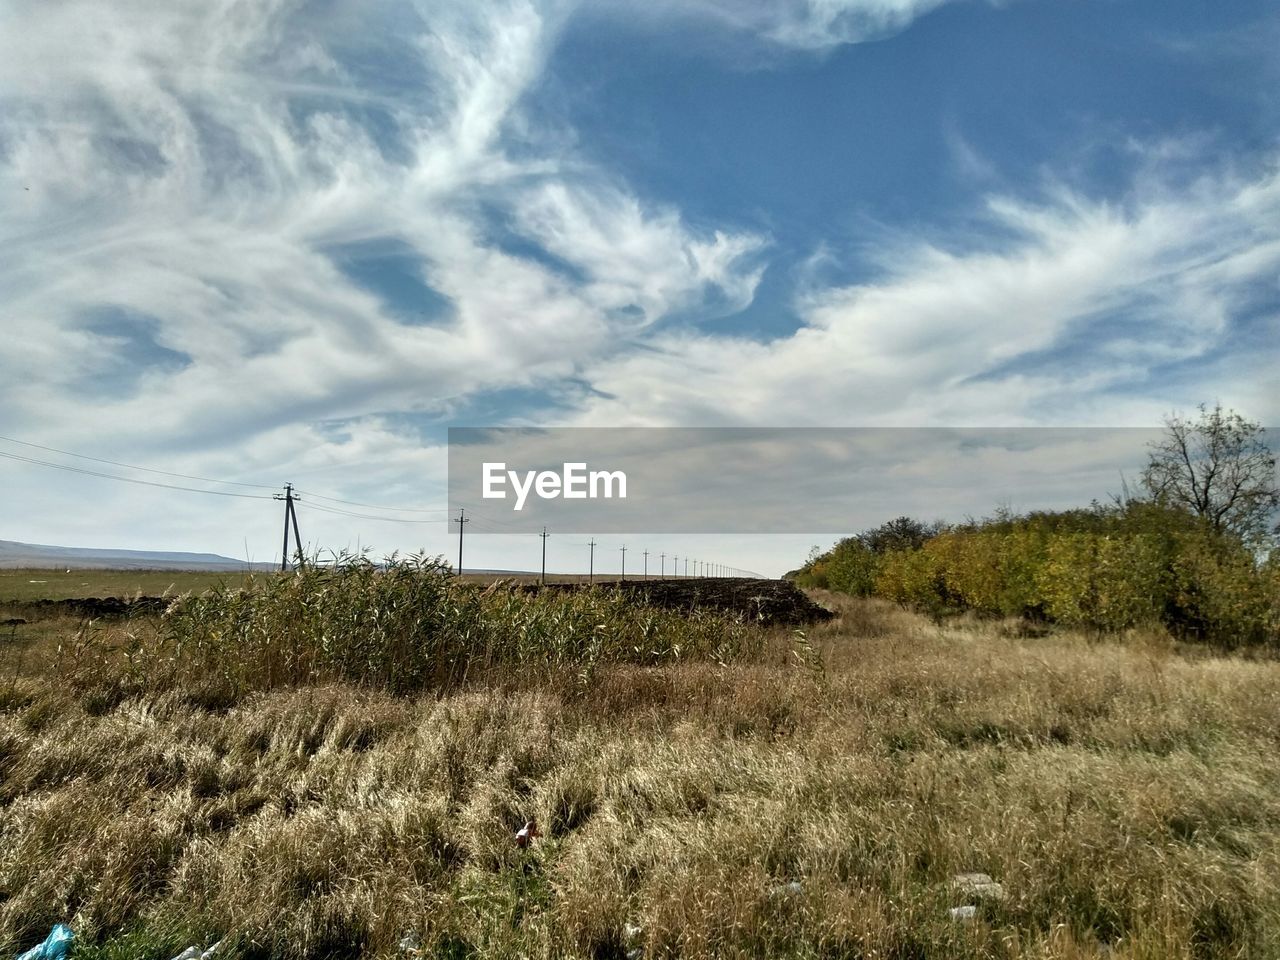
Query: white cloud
[
  {"x": 192, "y": 167},
  {"x": 1071, "y": 321},
  {"x": 805, "y": 25},
  {"x": 633, "y": 259}
]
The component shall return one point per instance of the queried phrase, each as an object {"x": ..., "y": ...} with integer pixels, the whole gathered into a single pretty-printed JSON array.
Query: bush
[
  {"x": 1104, "y": 569},
  {"x": 406, "y": 626},
  {"x": 1223, "y": 594}
]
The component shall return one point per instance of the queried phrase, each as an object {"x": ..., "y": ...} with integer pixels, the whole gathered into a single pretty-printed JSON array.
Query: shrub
[
  {"x": 409, "y": 625},
  {"x": 1103, "y": 568}
]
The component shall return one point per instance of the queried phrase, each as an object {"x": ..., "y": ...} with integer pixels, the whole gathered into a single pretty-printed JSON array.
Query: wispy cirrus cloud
[
  {"x": 1059, "y": 309},
  {"x": 193, "y": 169},
  {"x": 801, "y": 25}
]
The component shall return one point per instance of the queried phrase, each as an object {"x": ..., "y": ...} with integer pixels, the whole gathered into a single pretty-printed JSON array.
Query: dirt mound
[{"x": 767, "y": 602}]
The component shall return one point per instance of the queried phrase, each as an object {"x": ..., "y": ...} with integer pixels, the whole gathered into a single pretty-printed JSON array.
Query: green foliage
[
  {"x": 410, "y": 625},
  {"x": 1104, "y": 568},
  {"x": 853, "y": 568},
  {"x": 1224, "y": 595}
]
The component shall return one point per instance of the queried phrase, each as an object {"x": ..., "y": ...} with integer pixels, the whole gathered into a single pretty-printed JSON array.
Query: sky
[{"x": 267, "y": 242}]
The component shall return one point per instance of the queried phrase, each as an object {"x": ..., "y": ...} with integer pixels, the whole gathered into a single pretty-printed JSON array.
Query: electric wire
[
  {"x": 145, "y": 483},
  {"x": 319, "y": 508},
  {"x": 134, "y": 466},
  {"x": 373, "y": 506}
]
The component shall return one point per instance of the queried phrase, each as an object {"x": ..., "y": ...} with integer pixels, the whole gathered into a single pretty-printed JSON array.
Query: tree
[
  {"x": 1218, "y": 468},
  {"x": 904, "y": 533}
]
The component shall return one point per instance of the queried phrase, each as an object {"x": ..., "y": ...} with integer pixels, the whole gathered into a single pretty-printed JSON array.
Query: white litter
[
  {"x": 963, "y": 913},
  {"x": 977, "y": 885},
  {"x": 195, "y": 953}
]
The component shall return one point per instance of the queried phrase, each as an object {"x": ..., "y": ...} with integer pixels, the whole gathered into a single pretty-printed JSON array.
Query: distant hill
[{"x": 14, "y": 555}]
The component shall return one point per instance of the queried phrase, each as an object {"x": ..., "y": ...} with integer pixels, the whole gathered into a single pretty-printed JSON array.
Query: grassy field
[
  {"x": 23, "y": 586},
  {"x": 815, "y": 798}
]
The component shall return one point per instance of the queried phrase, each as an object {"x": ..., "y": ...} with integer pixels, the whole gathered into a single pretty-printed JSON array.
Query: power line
[
  {"x": 134, "y": 466},
  {"x": 188, "y": 476},
  {"x": 374, "y": 506},
  {"x": 337, "y": 512},
  {"x": 145, "y": 483}
]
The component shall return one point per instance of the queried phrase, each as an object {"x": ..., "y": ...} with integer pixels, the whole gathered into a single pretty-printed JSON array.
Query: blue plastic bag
[{"x": 55, "y": 946}]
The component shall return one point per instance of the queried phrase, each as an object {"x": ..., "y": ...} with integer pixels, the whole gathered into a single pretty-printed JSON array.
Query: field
[
  {"x": 22, "y": 586},
  {"x": 814, "y": 795}
]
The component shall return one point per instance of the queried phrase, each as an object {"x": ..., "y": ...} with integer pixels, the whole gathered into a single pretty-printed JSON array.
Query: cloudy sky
[{"x": 271, "y": 241}]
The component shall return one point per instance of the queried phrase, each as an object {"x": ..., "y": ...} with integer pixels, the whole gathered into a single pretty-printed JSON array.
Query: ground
[
  {"x": 817, "y": 801},
  {"x": 27, "y": 585}
]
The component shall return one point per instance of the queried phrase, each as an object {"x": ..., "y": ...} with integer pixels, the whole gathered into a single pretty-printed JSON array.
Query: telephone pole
[
  {"x": 461, "y": 521},
  {"x": 289, "y": 517},
  {"x": 591, "y": 561},
  {"x": 624, "y": 561},
  {"x": 544, "y": 536}
]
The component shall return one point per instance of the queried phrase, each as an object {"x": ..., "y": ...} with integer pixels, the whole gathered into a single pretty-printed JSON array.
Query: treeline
[{"x": 1104, "y": 568}]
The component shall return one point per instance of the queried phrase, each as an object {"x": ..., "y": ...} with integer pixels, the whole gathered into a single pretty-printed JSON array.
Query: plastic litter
[
  {"x": 963, "y": 913},
  {"x": 792, "y": 888},
  {"x": 196, "y": 953},
  {"x": 978, "y": 885},
  {"x": 410, "y": 945},
  {"x": 630, "y": 934},
  {"x": 55, "y": 947},
  {"x": 526, "y": 834}
]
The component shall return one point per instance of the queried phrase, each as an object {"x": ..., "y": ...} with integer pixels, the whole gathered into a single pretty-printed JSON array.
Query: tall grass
[
  {"x": 1125, "y": 796},
  {"x": 403, "y": 626}
]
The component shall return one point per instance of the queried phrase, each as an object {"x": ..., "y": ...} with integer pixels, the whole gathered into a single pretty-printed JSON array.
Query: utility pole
[
  {"x": 591, "y": 561},
  {"x": 461, "y": 521},
  {"x": 544, "y": 536},
  {"x": 290, "y": 516},
  {"x": 624, "y": 561},
  {"x": 646, "y": 565}
]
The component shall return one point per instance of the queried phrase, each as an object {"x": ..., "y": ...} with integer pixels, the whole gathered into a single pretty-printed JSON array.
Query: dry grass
[{"x": 1124, "y": 795}]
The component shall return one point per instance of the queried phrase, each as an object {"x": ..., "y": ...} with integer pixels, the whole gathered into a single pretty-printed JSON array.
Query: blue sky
[{"x": 270, "y": 241}]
